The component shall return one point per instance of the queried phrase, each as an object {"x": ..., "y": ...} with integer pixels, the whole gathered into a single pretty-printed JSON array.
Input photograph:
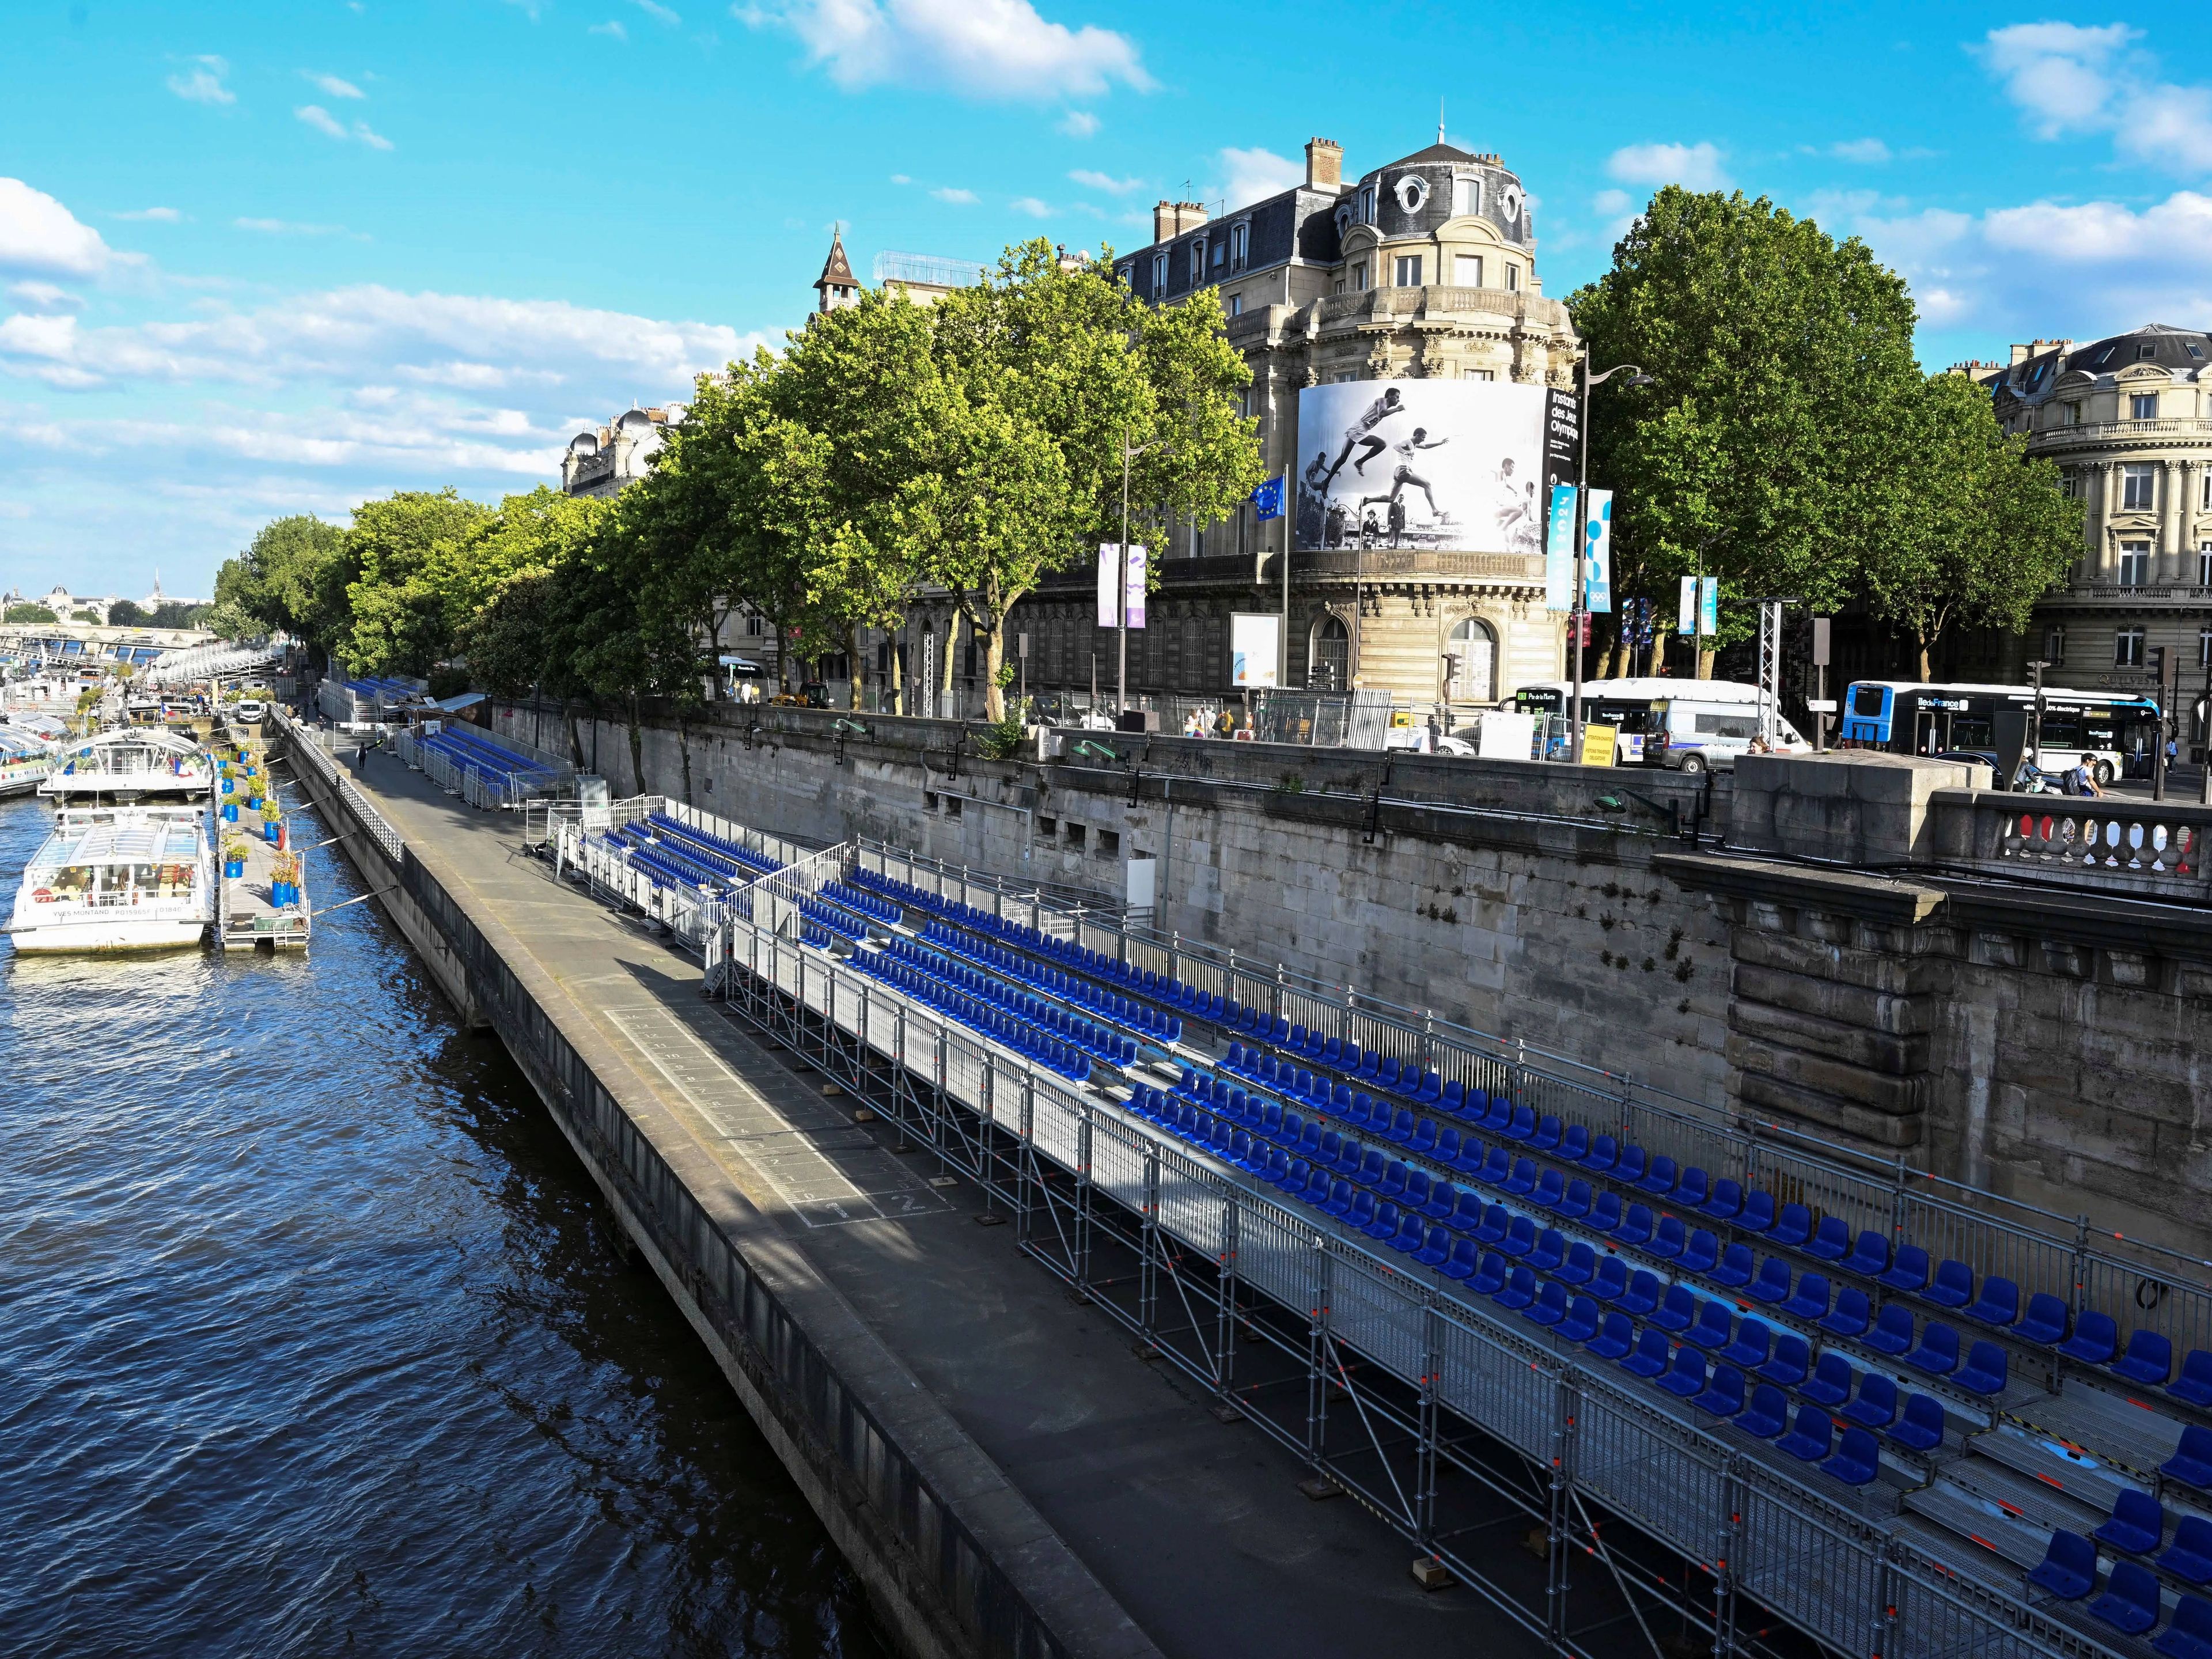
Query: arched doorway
[
  {"x": 1471, "y": 663},
  {"x": 1328, "y": 655}
]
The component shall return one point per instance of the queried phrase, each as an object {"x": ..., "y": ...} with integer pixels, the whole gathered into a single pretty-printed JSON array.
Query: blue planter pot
[
  {"x": 228, "y": 785},
  {"x": 230, "y": 811},
  {"x": 271, "y": 832},
  {"x": 234, "y": 868}
]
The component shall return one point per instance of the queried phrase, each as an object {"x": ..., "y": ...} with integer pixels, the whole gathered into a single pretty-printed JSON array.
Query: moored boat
[
  {"x": 117, "y": 878},
  {"x": 130, "y": 764}
]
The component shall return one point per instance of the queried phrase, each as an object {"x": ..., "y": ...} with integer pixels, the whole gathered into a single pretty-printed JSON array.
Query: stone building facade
[
  {"x": 600, "y": 463},
  {"x": 1422, "y": 268},
  {"x": 2128, "y": 422}
]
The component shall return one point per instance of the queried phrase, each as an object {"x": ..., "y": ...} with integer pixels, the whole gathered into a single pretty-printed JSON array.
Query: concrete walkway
[{"x": 1196, "y": 1527}]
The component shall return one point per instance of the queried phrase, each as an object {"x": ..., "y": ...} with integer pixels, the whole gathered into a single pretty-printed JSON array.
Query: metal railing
[
  {"x": 2111, "y": 846},
  {"x": 2081, "y": 1262},
  {"x": 308, "y": 745},
  {"x": 1369, "y": 1373}
]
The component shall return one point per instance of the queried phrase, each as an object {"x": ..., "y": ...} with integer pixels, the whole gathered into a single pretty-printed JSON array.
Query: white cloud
[
  {"x": 1105, "y": 181},
  {"x": 1254, "y": 174},
  {"x": 1079, "y": 123},
  {"x": 983, "y": 48},
  {"x": 294, "y": 227},
  {"x": 611, "y": 28},
  {"x": 1867, "y": 152},
  {"x": 1694, "y": 167},
  {"x": 901, "y": 179},
  {"x": 2070, "y": 80},
  {"x": 955, "y": 195},
  {"x": 44, "y": 296},
  {"x": 331, "y": 86},
  {"x": 1032, "y": 206},
  {"x": 38, "y": 234},
  {"x": 323, "y": 121},
  {"x": 658, "y": 13},
  {"x": 167, "y": 215},
  {"x": 202, "y": 83}
]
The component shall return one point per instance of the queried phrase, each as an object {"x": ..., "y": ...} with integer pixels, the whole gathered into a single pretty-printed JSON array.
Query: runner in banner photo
[{"x": 1360, "y": 433}]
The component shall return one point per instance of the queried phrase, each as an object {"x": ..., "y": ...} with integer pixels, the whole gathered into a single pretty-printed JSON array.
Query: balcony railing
[
  {"x": 2138, "y": 848},
  {"x": 2136, "y": 593},
  {"x": 2107, "y": 431}
]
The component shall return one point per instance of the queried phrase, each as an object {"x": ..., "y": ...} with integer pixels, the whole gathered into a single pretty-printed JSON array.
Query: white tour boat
[
  {"x": 117, "y": 878},
  {"x": 129, "y": 764}
]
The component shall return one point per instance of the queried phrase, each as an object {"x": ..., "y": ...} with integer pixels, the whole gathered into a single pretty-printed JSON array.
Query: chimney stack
[
  {"x": 1324, "y": 164},
  {"x": 2019, "y": 353},
  {"x": 1163, "y": 220}
]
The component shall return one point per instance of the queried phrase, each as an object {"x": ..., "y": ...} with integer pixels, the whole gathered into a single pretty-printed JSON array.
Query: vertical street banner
[
  {"x": 1133, "y": 602},
  {"x": 1597, "y": 552},
  {"x": 1708, "y": 605},
  {"x": 1109, "y": 582},
  {"x": 1686, "y": 619},
  {"x": 1562, "y": 432},
  {"x": 1559, "y": 550}
]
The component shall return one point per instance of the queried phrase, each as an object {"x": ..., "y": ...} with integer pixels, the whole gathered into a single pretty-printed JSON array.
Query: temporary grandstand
[
  {"x": 368, "y": 701},
  {"x": 483, "y": 770},
  {"x": 1730, "y": 1369},
  {"x": 205, "y": 662}
]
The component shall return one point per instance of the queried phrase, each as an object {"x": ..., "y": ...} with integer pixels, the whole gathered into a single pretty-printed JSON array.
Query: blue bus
[{"x": 2111, "y": 733}]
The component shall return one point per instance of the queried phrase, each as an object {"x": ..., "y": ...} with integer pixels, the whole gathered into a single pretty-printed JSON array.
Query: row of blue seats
[
  {"x": 1107, "y": 1045},
  {"x": 1162, "y": 1028},
  {"x": 866, "y": 904},
  {"x": 751, "y": 863},
  {"x": 670, "y": 869},
  {"x": 477, "y": 752},
  {"x": 2131, "y": 1602},
  {"x": 2138, "y": 1528},
  {"x": 675, "y": 839},
  {"x": 1068, "y": 1059}
]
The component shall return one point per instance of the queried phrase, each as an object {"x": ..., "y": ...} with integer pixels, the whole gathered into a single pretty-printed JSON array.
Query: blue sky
[{"x": 267, "y": 257}]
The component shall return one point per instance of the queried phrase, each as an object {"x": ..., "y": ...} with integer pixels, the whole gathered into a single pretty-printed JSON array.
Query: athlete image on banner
[{"x": 1421, "y": 463}]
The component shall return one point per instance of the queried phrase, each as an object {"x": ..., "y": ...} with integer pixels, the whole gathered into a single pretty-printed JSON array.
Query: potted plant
[
  {"x": 272, "y": 822},
  {"x": 234, "y": 856}
]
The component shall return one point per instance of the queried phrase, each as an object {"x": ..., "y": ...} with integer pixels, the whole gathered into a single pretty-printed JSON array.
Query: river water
[{"x": 310, "y": 1341}]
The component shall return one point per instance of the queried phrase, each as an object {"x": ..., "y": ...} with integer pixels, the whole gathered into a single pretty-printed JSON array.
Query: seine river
[{"x": 311, "y": 1342}]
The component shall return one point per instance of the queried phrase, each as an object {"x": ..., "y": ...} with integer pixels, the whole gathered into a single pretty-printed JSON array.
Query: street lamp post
[{"x": 1577, "y": 618}]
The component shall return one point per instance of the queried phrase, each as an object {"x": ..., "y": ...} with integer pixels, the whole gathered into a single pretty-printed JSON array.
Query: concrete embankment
[{"x": 955, "y": 1558}]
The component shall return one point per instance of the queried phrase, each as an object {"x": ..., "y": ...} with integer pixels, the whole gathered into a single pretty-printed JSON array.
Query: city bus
[
  {"x": 2109, "y": 733},
  {"x": 1689, "y": 725}
]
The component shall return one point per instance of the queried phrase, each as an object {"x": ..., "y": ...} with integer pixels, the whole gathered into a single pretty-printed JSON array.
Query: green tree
[
  {"x": 407, "y": 550},
  {"x": 1770, "y": 449},
  {"x": 92, "y": 616},
  {"x": 293, "y": 577},
  {"x": 1984, "y": 531},
  {"x": 28, "y": 613},
  {"x": 127, "y": 613},
  {"x": 175, "y": 613}
]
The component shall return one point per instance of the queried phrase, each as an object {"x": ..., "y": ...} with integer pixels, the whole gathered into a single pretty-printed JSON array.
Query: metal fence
[
  {"x": 2072, "y": 1257},
  {"x": 1372, "y": 1376},
  {"x": 308, "y": 745}
]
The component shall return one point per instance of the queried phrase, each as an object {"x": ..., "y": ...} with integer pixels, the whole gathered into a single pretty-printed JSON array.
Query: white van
[{"x": 1691, "y": 725}]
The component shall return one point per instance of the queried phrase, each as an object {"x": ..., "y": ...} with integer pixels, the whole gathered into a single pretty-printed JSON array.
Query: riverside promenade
[{"x": 1084, "y": 1501}]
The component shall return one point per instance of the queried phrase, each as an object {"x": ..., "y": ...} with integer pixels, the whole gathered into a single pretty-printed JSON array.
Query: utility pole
[
  {"x": 1820, "y": 643},
  {"x": 2034, "y": 718},
  {"x": 1579, "y": 617}
]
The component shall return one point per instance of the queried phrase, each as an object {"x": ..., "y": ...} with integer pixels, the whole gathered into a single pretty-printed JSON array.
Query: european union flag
[{"x": 1267, "y": 499}]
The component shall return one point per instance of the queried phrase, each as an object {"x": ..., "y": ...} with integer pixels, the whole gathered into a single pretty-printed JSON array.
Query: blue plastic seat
[
  {"x": 1831, "y": 1240},
  {"x": 1550, "y": 1251},
  {"x": 2189, "y": 1557},
  {"x": 1686, "y": 1375},
  {"x": 1876, "y": 1406},
  {"x": 1365, "y": 1207},
  {"x": 1635, "y": 1229},
  {"x": 1734, "y": 1268},
  {"x": 1658, "y": 1178},
  {"x": 1938, "y": 1352},
  {"x": 2149, "y": 1359},
  {"x": 1811, "y": 1439},
  {"x": 1580, "y": 1266},
  {"x": 1758, "y": 1216},
  {"x": 1869, "y": 1256},
  {"x": 1677, "y": 1311},
  {"x": 1908, "y": 1272},
  {"x": 1766, "y": 1414},
  {"x": 1549, "y": 1190},
  {"x": 1523, "y": 1181},
  {"x": 1466, "y": 1257},
  {"x": 1520, "y": 1289},
  {"x": 1892, "y": 1330},
  {"x": 1722, "y": 1394},
  {"x": 2189, "y": 1634},
  {"x": 1497, "y": 1222},
  {"x": 1715, "y": 1325},
  {"x": 1523, "y": 1125},
  {"x": 1339, "y": 1198},
  {"x": 1436, "y": 1249},
  {"x": 1668, "y": 1239},
  {"x": 1611, "y": 1280},
  {"x": 2192, "y": 1462},
  {"x": 1793, "y": 1227},
  {"x": 1791, "y": 1360},
  {"x": 1630, "y": 1170},
  {"x": 1773, "y": 1283},
  {"x": 1851, "y": 1315},
  {"x": 1726, "y": 1202},
  {"x": 2044, "y": 1322},
  {"x": 1641, "y": 1299},
  {"x": 1615, "y": 1337},
  {"x": 1603, "y": 1156},
  {"x": 2195, "y": 1382},
  {"x": 1998, "y": 1303},
  {"x": 1490, "y": 1277},
  {"x": 1547, "y": 1136},
  {"x": 1984, "y": 1371},
  {"x": 1520, "y": 1236},
  {"x": 1411, "y": 1235},
  {"x": 1831, "y": 1381},
  {"x": 1576, "y": 1202},
  {"x": 1809, "y": 1301},
  {"x": 1497, "y": 1168},
  {"x": 2069, "y": 1568},
  {"x": 1700, "y": 1255},
  {"x": 1750, "y": 1346},
  {"x": 1574, "y": 1145},
  {"x": 1692, "y": 1190},
  {"x": 1651, "y": 1356},
  {"x": 1550, "y": 1306},
  {"x": 1605, "y": 1214},
  {"x": 1921, "y": 1427},
  {"x": 1953, "y": 1285},
  {"x": 1857, "y": 1459},
  {"x": 2137, "y": 1526},
  {"x": 2096, "y": 1339},
  {"x": 2130, "y": 1603}
]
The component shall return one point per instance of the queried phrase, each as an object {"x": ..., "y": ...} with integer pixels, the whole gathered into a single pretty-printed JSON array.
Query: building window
[
  {"x": 1197, "y": 263},
  {"x": 2145, "y": 352},
  {"x": 1076, "y": 834},
  {"x": 2204, "y": 564},
  {"x": 1467, "y": 269},
  {"x": 1480, "y": 374},
  {"x": 1367, "y": 205},
  {"x": 1110, "y": 843},
  {"x": 2135, "y": 563},
  {"x": 1328, "y": 656},
  {"x": 2204, "y": 645},
  {"x": 1466, "y": 197},
  {"x": 1358, "y": 276},
  {"x": 1512, "y": 279},
  {"x": 2127, "y": 648},
  {"x": 2143, "y": 406},
  {"x": 1409, "y": 270},
  {"x": 2069, "y": 414},
  {"x": 2207, "y": 502},
  {"x": 1239, "y": 247},
  {"x": 1160, "y": 273},
  {"x": 1471, "y": 663},
  {"x": 1220, "y": 255},
  {"x": 2138, "y": 488},
  {"x": 2054, "y": 644},
  {"x": 1237, "y": 305}
]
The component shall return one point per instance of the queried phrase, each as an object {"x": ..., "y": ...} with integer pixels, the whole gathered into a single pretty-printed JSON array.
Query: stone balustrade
[{"x": 2141, "y": 848}]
